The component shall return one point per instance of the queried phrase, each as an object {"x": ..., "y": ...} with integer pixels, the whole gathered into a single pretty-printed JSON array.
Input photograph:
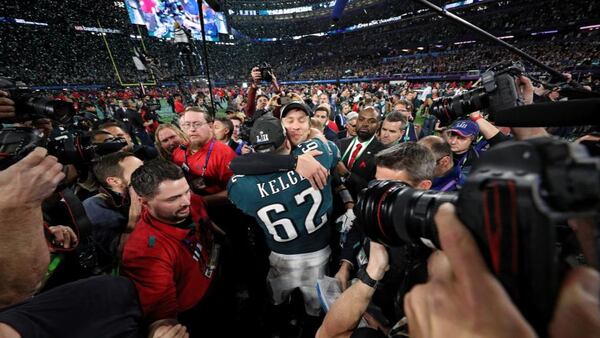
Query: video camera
[
  {"x": 498, "y": 92},
  {"x": 69, "y": 146},
  {"x": 515, "y": 203},
  {"x": 30, "y": 107}
]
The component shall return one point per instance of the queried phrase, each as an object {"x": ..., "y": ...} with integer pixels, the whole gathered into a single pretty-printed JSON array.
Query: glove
[{"x": 344, "y": 222}]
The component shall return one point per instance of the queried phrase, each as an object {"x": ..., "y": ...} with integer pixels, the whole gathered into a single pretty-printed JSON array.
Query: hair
[
  {"x": 239, "y": 116},
  {"x": 146, "y": 179},
  {"x": 405, "y": 103},
  {"x": 438, "y": 146},
  {"x": 163, "y": 153},
  {"x": 112, "y": 124},
  {"x": 228, "y": 124},
  {"x": 351, "y": 116},
  {"x": 109, "y": 166},
  {"x": 412, "y": 157},
  {"x": 325, "y": 108},
  {"x": 396, "y": 117},
  {"x": 262, "y": 95},
  {"x": 208, "y": 117},
  {"x": 95, "y": 133}
]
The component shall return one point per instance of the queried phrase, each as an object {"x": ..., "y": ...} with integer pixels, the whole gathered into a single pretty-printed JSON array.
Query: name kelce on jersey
[{"x": 282, "y": 183}]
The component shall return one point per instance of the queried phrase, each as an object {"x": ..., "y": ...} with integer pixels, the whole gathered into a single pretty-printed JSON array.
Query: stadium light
[
  {"x": 590, "y": 27},
  {"x": 554, "y": 31}
]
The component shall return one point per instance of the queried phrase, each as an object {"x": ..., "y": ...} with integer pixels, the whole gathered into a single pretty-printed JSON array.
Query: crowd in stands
[{"x": 65, "y": 55}]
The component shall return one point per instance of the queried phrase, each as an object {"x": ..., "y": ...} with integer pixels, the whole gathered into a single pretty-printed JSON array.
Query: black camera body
[
  {"x": 30, "y": 107},
  {"x": 266, "y": 72},
  {"x": 498, "y": 91},
  {"x": 514, "y": 200},
  {"x": 68, "y": 145}
]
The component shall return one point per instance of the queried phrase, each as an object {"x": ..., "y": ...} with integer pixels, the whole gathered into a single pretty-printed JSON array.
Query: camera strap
[
  {"x": 83, "y": 226},
  {"x": 501, "y": 228}
]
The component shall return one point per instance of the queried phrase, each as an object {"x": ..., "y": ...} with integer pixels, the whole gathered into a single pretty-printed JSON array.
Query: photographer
[
  {"x": 451, "y": 303},
  {"x": 256, "y": 76},
  {"x": 448, "y": 177},
  {"x": 412, "y": 164},
  {"x": 114, "y": 211},
  {"x": 111, "y": 308},
  {"x": 116, "y": 129}
]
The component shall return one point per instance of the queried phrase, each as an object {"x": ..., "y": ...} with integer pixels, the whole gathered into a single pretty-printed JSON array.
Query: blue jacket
[{"x": 452, "y": 181}]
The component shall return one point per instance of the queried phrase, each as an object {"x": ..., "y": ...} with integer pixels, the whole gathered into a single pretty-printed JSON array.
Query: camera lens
[
  {"x": 392, "y": 213},
  {"x": 60, "y": 111},
  {"x": 449, "y": 109}
]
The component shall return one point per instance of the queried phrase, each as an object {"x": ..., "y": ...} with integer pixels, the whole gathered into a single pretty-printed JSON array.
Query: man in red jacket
[{"x": 172, "y": 256}]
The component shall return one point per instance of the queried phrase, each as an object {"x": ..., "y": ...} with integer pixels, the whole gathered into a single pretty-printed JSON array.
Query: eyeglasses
[{"x": 195, "y": 125}]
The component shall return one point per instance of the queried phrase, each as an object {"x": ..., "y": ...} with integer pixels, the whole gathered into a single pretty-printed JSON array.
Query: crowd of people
[
  {"x": 223, "y": 223},
  {"x": 421, "y": 47}
]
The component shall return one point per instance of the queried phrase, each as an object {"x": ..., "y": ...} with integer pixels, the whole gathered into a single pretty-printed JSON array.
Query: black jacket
[{"x": 364, "y": 167}]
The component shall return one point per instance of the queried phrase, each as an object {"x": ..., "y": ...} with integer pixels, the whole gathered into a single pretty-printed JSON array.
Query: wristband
[
  {"x": 345, "y": 196},
  {"x": 364, "y": 277},
  {"x": 476, "y": 118}
]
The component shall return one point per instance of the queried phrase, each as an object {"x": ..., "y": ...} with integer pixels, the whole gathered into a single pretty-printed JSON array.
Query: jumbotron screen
[{"x": 160, "y": 16}]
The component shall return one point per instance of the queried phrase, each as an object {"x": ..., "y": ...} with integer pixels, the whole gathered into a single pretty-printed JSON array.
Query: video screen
[{"x": 161, "y": 17}]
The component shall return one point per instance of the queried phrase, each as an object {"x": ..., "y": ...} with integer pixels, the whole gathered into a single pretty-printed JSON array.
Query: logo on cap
[{"x": 262, "y": 137}]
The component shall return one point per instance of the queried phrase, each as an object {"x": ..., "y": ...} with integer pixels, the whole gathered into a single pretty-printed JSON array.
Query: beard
[{"x": 364, "y": 134}]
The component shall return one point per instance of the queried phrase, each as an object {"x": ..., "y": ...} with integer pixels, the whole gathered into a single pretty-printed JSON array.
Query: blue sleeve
[
  {"x": 238, "y": 188},
  {"x": 326, "y": 158},
  {"x": 337, "y": 155}
]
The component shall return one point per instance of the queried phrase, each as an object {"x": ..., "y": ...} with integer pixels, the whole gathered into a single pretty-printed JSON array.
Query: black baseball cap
[
  {"x": 267, "y": 134},
  {"x": 295, "y": 105}
]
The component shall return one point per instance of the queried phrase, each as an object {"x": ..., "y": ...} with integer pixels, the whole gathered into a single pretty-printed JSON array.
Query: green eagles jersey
[{"x": 293, "y": 215}]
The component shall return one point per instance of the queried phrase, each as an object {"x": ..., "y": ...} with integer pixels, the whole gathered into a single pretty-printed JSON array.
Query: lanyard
[
  {"x": 210, "y": 149},
  {"x": 448, "y": 185}
]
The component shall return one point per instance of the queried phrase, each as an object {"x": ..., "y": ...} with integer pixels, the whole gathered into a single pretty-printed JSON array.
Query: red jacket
[
  {"x": 159, "y": 259},
  {"x": 217, "y": 171}
]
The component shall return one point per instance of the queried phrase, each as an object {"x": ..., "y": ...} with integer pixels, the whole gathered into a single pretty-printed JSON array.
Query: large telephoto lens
[
  {"x": 449, "y": 109},
  {"x": 57, "y": 110},
  {"x": 392, "y": 213}
]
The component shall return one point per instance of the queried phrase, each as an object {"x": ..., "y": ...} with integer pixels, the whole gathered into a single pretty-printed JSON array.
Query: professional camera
[
  {"x": 266, "y": 72},
  {"x": 30, "y": 107},
  {"x": 498, "y": 91},
  {"x": 69, "y": 146},
  {"x": 514, "y": 202}
]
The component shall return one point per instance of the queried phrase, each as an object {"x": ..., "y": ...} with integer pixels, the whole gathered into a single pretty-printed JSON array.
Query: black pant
[{"x": 103, "y": 306}]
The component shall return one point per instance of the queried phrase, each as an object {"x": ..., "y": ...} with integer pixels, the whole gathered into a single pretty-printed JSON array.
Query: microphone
[{"x": 551, "y": 114}]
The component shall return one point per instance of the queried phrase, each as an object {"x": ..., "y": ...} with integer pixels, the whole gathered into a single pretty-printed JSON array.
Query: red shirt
[
  {"x": 179, "y": 107},
  {"x": 217, "y": 171},
  {"x": 333, "y": 126},
  {"x": 159, "y": 259}
]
